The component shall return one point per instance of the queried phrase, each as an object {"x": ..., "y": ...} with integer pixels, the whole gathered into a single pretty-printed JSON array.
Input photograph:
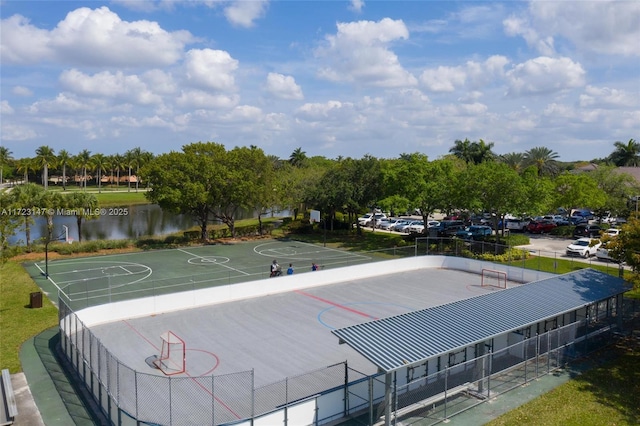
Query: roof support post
[{"x": 388, "y": 398}]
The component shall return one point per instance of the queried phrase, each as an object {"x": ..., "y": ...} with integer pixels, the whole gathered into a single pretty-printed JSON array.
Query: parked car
[
  {"x": 612, "y": 232},
  {"x": 405, "y": 227},
  {"x": 586, "y": 230},
  {"x": 416, "y": 227},
  {"x": 584, "y": 213},
  {"x": 583, "y": 247},
  {"x": 557, "y": 219},
  {"x": 399, "y": 225},
  {"x": 474, "y": 232},
  {"x": 517, "y": 224},
  {"x": 577, "y": 220},
  {"x": 369, "y": 217},
  {"x": 541, "y": 226},
  {"x": 448, "y": 228},
  {"x": 603, "y": 254},
  {"x": 389, "y": 223}
]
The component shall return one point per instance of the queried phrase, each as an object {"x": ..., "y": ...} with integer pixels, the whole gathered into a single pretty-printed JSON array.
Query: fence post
[{"x": 253, "y": 395}]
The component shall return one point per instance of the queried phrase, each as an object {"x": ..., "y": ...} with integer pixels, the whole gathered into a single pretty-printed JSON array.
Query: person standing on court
[
  {"x": 314, "y": 267},
  {"x": 276, "y": 270},
  {"x": 290, "y": 270}
]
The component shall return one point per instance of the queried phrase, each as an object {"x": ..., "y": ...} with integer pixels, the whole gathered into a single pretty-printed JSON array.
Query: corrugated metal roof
[{"x": 390, "y": 343}]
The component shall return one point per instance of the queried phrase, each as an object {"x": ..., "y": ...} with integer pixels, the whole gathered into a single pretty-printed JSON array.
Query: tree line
[{"x": 207, "y": 181}]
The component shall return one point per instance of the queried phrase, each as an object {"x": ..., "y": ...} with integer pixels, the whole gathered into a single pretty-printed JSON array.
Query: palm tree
[
  {"x": 83, "y": 204},
  {"x": 515, "y": 160},
  {"x": 83, "y": 161},
  {"x": 5, "y": 159},
  {"x": 463, "y": 150},
  {"x": 482, "y": 151},
  {"x": 99, "y": 162},
  {"x": 48, "y": 203},
  {"x": 543, "y": 159},
  {"x": 45, "y": 157},
  {"x": 26, "y": 197},
  {"x": 118, "y": 164},
  {"x": 26, "y": 165},
  {"x": 626, "y": 154},
  {"x": 129, "y": 162},
  {"x": 63, "y": 161},
  {"x": 298, "y": 157}
]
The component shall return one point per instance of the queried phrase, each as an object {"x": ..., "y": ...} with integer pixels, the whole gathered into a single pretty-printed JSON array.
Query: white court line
[
  {"x": 126, "y": 270},
  {"x": 221, "y": 264},
  {"x": 319, "y": 250},
  {"x": 49, "y": 277},
  {"x": 87, "y": 270}
]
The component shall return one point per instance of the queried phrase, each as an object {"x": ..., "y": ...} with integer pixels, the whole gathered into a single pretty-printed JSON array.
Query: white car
[
  {"x": 416, "y": 227},
  {"x": 612, "y": 232},
  {"x": 583, "y": 247},
  {"x": 367, "y": 218}
]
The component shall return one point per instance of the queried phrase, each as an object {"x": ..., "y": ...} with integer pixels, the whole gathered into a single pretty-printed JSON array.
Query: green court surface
[{"x": 103, "y": 279}]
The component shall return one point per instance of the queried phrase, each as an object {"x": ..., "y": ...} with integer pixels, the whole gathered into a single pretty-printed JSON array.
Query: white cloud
[
  {"x": 283, "y": 86},
  {"x": 22, "y": 91},
  {"x": 607, "y": 27},
  {"x": 63, "y": 103},
  {"x": 5, "y": 108},
  {"x": 356, "y": 5},
  {"x": 359, "y": 52},
  {"x": 321, "y": 111},
  {"x": 243, "y": 114},
  {"x": 243, "y": 13},
  {"x": 202, "y": 99},
  {"x": 109, "y": 85},
  {"x": 545, "y": 75},
  {"x": 210, "y": 69},
  {"x": 12, "y": 132},
  {"x": 473, "y": 74},
  {"x": 515, "y": 26},
  {"x": 607, "y": 97},
  {"x": 92, "y": 37}
]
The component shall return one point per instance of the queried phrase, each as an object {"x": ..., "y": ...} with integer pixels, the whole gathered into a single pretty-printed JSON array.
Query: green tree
[
  {"x": 463, "y": 150},
  {"x": 492, "y": 187},
  {"x": 429, "y": 188},
  {"x": 626, "y": 154},
  {"x": 618, "y": 188},
  {"x": 9, "y": 224},
  {"x": 190, "y": 182},
  {"x": 5, "y": 160},
  {"x": 515, "y": 160},
  {"x": 48, "y": 203},
  {"x": 100, "y": 165},
  {"x": 25, "y": 200},
  {"x": 118, "y": 164},
  {"x": 83, "y": 162},
  {"x": 24, "y": 166},
  {"x": 543, "y": 159},
  {"x": 578, "y": 190},
  {"x": 63, "y": 161},
  {"x": 248, "y": 185},
  {"x": 84, "y": 205},
  {"x": 45, "y": 157},
  {"x": 298, "y": 158}
]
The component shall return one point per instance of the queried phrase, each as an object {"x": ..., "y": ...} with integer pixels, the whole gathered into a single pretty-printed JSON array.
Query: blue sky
[{"x": 336, "y": 78}]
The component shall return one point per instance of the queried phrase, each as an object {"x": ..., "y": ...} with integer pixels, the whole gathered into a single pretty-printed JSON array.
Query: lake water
[{"x": 123, "y": 223}]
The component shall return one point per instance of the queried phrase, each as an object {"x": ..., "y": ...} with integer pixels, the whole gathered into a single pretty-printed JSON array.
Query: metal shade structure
[{"x": 395, "y": 342}]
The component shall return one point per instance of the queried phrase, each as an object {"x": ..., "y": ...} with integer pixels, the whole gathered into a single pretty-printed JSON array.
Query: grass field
[{"x": 605, "y": 395}]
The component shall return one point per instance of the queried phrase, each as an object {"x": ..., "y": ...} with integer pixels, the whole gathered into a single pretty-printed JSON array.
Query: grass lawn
[
  {"x": 18, "y": 322},
  {"x": 605, "y": 395},
  {"x": 109, "y": 196}
]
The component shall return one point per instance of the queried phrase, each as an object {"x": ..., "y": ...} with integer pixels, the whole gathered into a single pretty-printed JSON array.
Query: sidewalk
[{"x": 55, "y": 398}]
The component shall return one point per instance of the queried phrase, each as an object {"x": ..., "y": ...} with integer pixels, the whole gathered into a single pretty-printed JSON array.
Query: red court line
[
  {"x": 195, "y": 379},
  {"x": 337, "y": 305}
]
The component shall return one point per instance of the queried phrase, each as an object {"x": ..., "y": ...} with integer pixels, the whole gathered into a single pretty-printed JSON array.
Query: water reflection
[
  {"x": 123, "y": 223},
  {"x": 117, "y": 223}
]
